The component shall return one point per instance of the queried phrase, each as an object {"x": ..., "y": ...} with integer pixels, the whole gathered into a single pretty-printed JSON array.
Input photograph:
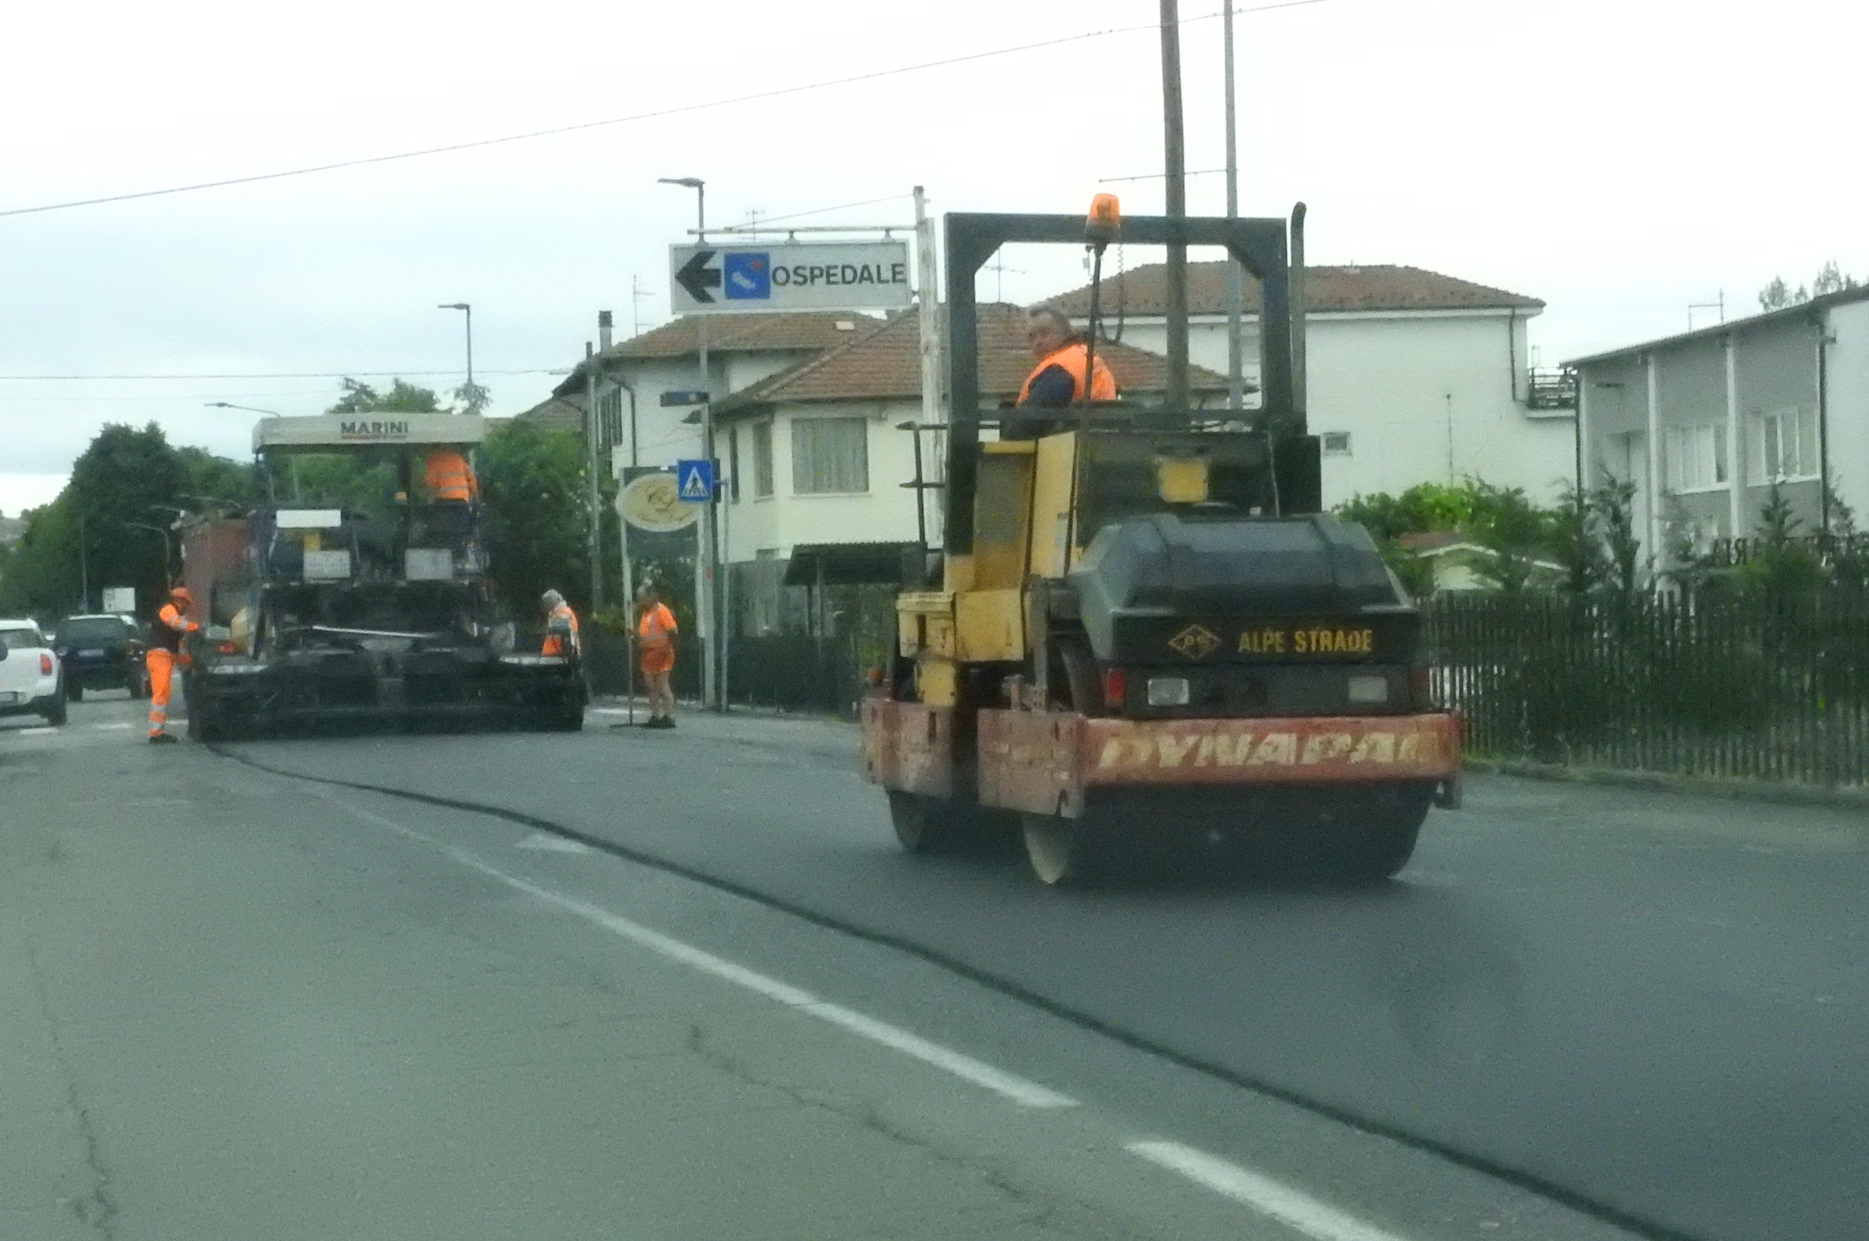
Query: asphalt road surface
[{"x": 1580, "y": 1008}]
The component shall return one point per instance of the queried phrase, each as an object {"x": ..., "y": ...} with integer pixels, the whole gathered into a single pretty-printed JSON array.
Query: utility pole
[
  {"x": 1176, "y": 166},
  {"x": 929, "y": 306},
  {"x": 707, "y": 579},
  {"x": 84, "y": 568},
  {"x": 468, "y": 311},
  {"x": 1236, "y": 277},
  {"x": 596, "y": 487}
]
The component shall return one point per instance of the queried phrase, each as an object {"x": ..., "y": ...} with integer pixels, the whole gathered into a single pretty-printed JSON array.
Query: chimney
[{"x": 603, "y": 330}]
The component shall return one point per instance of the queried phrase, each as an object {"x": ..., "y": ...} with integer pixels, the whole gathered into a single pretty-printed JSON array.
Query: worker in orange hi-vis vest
[
  {"x": 449, "y": 477},
  {"x": 561, "y": 627},
  {"x": 165, "y": 653},
  {"x": 655, "y": 645}
]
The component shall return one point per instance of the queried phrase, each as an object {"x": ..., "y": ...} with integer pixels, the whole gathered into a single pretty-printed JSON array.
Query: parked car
[
  {"x": 101, "y": 652},
  {"x": 31, "y": 681}
]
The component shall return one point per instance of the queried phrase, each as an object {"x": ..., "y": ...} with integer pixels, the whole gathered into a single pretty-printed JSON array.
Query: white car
[{"x": 31, "y": 681}]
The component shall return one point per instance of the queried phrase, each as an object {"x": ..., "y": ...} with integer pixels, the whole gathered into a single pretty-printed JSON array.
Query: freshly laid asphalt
[
  {"x": 1644, "y": 1007},
  {"x": 1658, "y": 1004}
]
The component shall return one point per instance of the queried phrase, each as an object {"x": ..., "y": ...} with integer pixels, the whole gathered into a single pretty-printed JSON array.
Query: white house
[
  {"x": 1413, "y": 376},
  {"x": 1705, "y": 424},
  {"x": 634, "y": 424},
  {"x": 819, "y": 475}
]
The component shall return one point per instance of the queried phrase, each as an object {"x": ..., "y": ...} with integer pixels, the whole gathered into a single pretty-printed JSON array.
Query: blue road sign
[
  {"x": 694, "y": 481},
  {"x": 746, "y": 275}
]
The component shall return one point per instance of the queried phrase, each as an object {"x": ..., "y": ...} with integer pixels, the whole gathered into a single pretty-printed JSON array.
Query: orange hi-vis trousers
[{"x": 161, "y": 665}]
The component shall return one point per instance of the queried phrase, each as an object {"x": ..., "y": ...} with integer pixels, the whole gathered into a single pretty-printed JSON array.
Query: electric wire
[{"x": 653, "y": 114}]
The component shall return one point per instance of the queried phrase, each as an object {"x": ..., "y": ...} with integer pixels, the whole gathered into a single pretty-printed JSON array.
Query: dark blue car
[{"x": 101, "y": 652}]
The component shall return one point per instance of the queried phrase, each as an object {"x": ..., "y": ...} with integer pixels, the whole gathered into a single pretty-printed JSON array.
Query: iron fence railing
[{"x": 1716, "y": 684}]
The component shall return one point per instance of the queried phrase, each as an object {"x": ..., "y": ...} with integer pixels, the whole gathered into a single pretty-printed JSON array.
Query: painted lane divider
[
  {"x": 1263, "y": 1194},
  {"x": 1260, "y": 1193},
  {"x": 1007, "y": 1085}
]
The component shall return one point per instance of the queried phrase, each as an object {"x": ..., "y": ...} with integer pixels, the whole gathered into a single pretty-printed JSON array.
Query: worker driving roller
[{"x": 1057, "y": 382}]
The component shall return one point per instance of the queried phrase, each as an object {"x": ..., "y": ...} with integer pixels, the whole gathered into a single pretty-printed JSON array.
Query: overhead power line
[
  {"x": 537, "y": 370},
  {"x": 678, "y": 110}
]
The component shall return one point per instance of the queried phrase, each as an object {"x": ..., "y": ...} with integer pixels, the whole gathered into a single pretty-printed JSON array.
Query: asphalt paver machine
[
  {"x": 375, "y": 610},
  {"x": 1145, "y": 640}
]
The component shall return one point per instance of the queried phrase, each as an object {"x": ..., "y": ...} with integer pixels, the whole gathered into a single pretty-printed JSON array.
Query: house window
[
  {"x": 762, "y": 459},
  {"x": 1696, "y": 458},
  {"x": 1787, "y": 442},
  {"x": 1336, "y": 443},
  {"x": 830, "y": 455}
]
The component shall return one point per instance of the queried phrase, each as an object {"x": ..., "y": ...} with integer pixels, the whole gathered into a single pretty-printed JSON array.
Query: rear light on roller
[
  {"x": 228, "y": 648},
  {"x": 45, "y": 664},
  {"x": 1115, "y": 687}
]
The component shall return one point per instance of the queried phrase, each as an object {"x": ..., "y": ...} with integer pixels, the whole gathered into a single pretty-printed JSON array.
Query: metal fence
[
  {"x": 1717, "y": 684},
  {"x": 791, "y": 672}
]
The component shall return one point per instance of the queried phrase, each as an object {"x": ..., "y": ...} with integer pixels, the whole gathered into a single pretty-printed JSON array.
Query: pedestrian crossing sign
[{"x": 694, "y": 481}]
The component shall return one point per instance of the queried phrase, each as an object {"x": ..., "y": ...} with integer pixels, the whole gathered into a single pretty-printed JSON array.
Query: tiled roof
[
  {"x": 558, "y": 413},
  {"x": 885, "y": 364},
  {"x": 801, "y": 329},
  {"x": 1142, "y": 291}
]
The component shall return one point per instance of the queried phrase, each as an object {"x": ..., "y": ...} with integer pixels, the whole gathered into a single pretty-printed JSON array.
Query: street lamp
[
  {"x": 468, "y": 311},
  {"x": 700, "y": 200},
  {"x": 270, "y": 413},
  {"x": 707, "y": 584}
]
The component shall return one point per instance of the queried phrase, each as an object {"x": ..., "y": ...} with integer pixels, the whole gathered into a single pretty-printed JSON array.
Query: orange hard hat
[{"x": 181, "y": 594}]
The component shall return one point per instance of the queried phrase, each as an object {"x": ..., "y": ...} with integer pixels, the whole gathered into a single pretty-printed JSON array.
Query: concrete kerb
[{"x": 1668, "y": 782}]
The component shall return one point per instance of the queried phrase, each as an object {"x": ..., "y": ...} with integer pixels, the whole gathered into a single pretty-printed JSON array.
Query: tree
[
  {"x": 1785, "y": 564},
  {"x": 1778, "y": 295},
  {"x": 1501, "y": 519},
  {"x": 533, "y": 484},
  {"x": 1575, "y": 542},
  {"x": 98, "y": 532},
  {"x": 402, "y": 398},
  {"x": 1831, "y": 280},
  {"x": 1612, "y": 505},
  {"x": 1517, "y": 532},
  {"x": 213, "y": 482}
]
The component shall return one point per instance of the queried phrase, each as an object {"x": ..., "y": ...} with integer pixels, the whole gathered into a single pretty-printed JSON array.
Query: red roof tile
[
  {"x": 885, "y": 364},
  {"x": 1142, "y": 291},
  {"x": 802, "y": 329}
]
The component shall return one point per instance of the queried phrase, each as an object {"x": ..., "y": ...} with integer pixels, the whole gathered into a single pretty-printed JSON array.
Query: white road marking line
[
  {"x": 42, "y": 730},
  {"x": 609, "y": 710},
  {"x": 545, "y": 842},
  {"x": 119, "y": 726},
  {"x": 1265, "y": 1195},
  {"x": 1008, "y": 1085},
  {"x": 1027, "y": 1094}
]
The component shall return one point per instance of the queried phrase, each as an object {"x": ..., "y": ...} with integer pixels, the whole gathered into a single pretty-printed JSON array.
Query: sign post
[
  {"x": 712, "y": 279},
  {"x": 651, "y": 508},
  {"x": 694, "y": 488}
]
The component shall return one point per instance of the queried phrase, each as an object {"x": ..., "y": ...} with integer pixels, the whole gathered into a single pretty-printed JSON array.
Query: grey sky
[{"x": 1618, "y": 159}]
